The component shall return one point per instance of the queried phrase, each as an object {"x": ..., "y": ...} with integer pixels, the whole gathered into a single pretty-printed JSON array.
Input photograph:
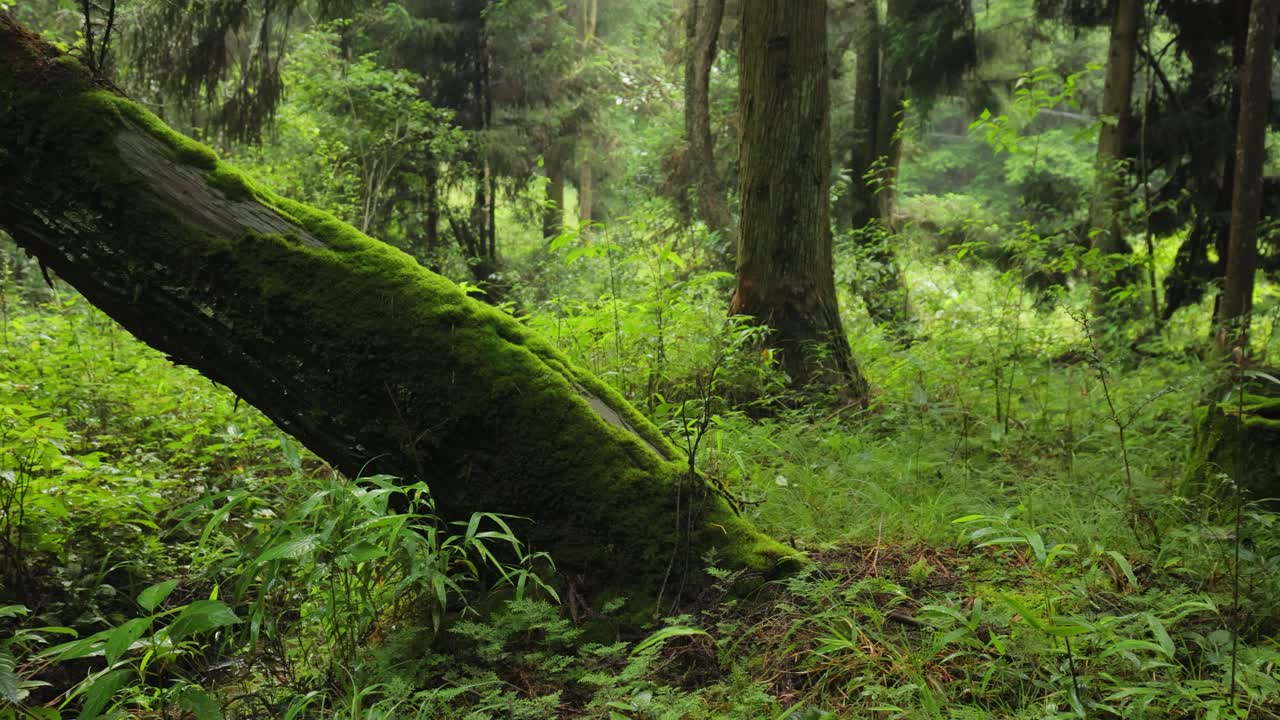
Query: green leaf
[
  {"x": 290, "y": 549},
  {"x": 1070, "y": 629},
  {"x": 9, "y": 611},
  {"x": 8, "y": 678},
  {"x": 1017, "y": 606},
  {"x": 151, "y": 598},
  {"x": 292, "y": 457},
  {"x": 1037, "y": 546},
  {"x": 200, "y": 704},
  {"x": 359, "y": 552},
  {"x": 101, "y": 692},
  {"x": 1125, "y": 568},
  {"x": 665, "y": 634},
  {"x": 75, "y": 649},
  {"x": 120, "y": 639},
  {"x": 201, "y": 616},
  {"x": 1258, "y": 374},
  {"x": 1161, "y": 635},
  {"x": 1131, "y": 645}
]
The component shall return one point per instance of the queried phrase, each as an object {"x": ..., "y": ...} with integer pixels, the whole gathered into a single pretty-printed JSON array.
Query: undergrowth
[{"x": 1001, "y": 534}]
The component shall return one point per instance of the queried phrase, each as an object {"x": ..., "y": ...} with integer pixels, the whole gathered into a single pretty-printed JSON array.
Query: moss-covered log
[{"x": 373, "y": 362}]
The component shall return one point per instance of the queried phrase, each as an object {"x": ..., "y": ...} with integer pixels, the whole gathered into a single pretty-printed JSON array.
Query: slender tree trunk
[
  {"x": 702, "y": 34},
  {"x": 889, "y": 148},
  {"x": 590, "y": 21},
  {"x": 1117, "y": 93},
  {"x": 553, "y": 211},
  {"x": 873, "y": 174},
  {"x": 489, "y": 238},
  {"x": 586, "y": 190},
  {"x": 586, "y": 179},
  {"x": 890, "y": 109},
  {"x": 432, "y": 231},
  {"x": 1246, "y": 201},
  {"x": 866, "y": 118},
  {"x": 376, "y": 364},
  {"x": 785, "y": 276}
]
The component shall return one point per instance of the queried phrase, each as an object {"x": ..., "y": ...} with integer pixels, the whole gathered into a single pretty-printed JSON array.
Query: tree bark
[
  {"x": 1117, "y": 93},
  {"x": 586, "y": 192},
  {"x": 866, "y": 118},
  {"x": 702, "y": 35},
  {"x": 432, "y": 230},
  {"x": 590, "y": 21},
  {"x": 890, "y": 108},
  {"x": 553, "y": 211},
  {"x": 373, "y": 362},
  {"x": 889, "y": 149},
  {"x": 785, "y": 275},
  {"x": 873, "y": 173},
  {"x": 1246, "y": 200}
]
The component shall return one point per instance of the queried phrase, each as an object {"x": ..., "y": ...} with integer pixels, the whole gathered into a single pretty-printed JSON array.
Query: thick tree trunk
[
  {"x": 785, "y": 276},
  {"x": 702, "y": 36},
  {"x": 1246, "y": 199},
  {"x": 376, "y": 364},
  {"x": 1117, "y": 93}
]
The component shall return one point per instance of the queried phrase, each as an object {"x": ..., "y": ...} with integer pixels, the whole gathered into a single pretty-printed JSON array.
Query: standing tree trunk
[
  {"x": 590, "y": 21},
  {"x": 888, "y": 147},
  {"x": 890, "y": 107},
  {"x": 1104, "y": 221},
  {"x": 785, "y": 276},
  {"x": 489, "y": 236},
  {"x": 1246, "y": 200},
  {"x": 432, "y": 230},
  {"x": 866, "y": 118},
  {"x": 873, "y": 170},
  {"x": 376, "y": 364},
  {"x": 590, "y": 10},
  {"x": 586, "y": 193},
  {"x": 702, "y": 34},
  {"x": 553, "y": 211}
]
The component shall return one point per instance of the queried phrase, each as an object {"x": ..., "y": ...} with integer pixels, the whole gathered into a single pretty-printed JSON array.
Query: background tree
[
  {"x": 702, "y": 34},
  {"x": 784, "y": 272},
  {"x": 1108, "y": 236},
  {"x": 1255, "y": 109}
]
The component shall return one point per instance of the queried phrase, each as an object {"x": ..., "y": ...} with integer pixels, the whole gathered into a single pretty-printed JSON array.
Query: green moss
[
  {"x": 230, "y": 182},
  {"x": 188, "y": 151},
  {"x": 74, "y": 75},
  {"x": 1222, "y": 444}
]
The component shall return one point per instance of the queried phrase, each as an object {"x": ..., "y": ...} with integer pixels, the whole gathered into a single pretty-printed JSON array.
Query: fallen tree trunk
[{"x": 373, "y": 362}]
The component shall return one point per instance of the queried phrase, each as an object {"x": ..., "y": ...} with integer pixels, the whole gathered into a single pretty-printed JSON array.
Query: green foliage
[
  {"x": 353, "y": 137},
  {"x": 639, "y": 309}
]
